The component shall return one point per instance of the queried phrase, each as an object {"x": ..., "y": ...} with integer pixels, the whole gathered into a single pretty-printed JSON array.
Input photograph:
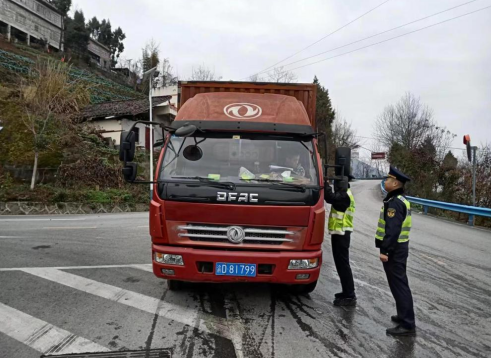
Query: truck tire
[
  {"x": 173, "y": 285},
  {"x": 302, "y": 289}
]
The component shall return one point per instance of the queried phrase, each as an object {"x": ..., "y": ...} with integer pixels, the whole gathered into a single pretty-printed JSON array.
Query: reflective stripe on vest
[
  {"x": 406, "y": 224},
  {"x": 340, "y": 222}
]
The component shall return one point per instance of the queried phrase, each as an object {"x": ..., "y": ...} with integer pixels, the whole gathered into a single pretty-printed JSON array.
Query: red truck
[{"x": 238, "y": 187}]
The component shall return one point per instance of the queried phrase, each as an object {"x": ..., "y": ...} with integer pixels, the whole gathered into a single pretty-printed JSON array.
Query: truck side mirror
[
  {"x": 341, "y": 184},
  {"x": 193, "y": 153},
  {"x": 343, "y": 161},
  {"x": 127, "y": 146},
  {"x": 129, "y": 172}
]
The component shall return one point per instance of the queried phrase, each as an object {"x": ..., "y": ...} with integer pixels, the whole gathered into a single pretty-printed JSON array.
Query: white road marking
[
  {"x": 42, "y": 336},
  {"x": 188, "y": 316},
  {"x": 29, "y": 219},
  {"x": 116, "y": 294},
  {"x": 145, "y": 267},
  {"x": 13, "y": 237},
  {"x": 434, "y": 260},
  {"x": 69, "y": 227},
  {"x": 144, "y": 226},
  {"x": 76, "y": 267},
  {"x": 235, "y": 325}
]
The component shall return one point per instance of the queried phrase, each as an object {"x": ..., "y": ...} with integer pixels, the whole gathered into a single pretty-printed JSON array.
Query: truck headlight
[
  {"x": 303, "y": 264},
  {"x": 169, "y": 259}
]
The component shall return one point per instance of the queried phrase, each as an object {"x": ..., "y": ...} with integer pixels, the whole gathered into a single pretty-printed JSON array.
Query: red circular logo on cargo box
[{"x": 243, "y": 110}]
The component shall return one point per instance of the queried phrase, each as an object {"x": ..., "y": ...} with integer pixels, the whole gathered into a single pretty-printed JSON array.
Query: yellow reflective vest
[
  {"x": 340, "y": 222},
  {"x": 406, "y": 224}
]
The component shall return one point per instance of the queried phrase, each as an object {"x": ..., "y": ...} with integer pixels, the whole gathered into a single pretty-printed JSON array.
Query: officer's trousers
[
  {"x": 395, "y": 269},
  {"x": 340, "y": 252}
]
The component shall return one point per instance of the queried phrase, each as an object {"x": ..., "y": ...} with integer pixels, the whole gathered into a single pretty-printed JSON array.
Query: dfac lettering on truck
[{"x": 239, "y": 186}]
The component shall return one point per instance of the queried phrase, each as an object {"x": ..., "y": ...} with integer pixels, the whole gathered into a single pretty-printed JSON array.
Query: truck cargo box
[{"x": 303, "y": 92}]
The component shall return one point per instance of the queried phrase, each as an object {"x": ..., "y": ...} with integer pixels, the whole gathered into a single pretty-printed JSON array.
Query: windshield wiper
[
  {"x": 210, "y": 182},
  {"x": 281, "y": 184}
]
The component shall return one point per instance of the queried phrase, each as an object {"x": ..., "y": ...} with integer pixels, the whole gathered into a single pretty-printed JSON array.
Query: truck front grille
[{"x": 252, "y": 235}]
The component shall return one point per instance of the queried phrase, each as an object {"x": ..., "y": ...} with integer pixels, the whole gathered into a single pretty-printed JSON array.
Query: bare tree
[
  {"x": 277, "y": 74},
  {"x": 343, "y": 134},
  {"x": 150, "y": 55},
  {"x": 483, "y": 178},
  {"x": 410, "y": 124},
  {"x": 203, "y": 73},
  {"x": 167, "y": 75},
  {"x": 256, "y": 78},
  {"x": 407, "y": 123},
  {"x": 49, "y": 95}
]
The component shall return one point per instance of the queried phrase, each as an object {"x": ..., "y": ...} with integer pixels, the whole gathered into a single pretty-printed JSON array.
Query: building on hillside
[
  {"x": 99, "y": 54},
  {"x": 113, "y": 117},
  {"x": 168, "y": 91},
  {"x": 360, "y": 169},
  {"x": 31, "y": 21}
]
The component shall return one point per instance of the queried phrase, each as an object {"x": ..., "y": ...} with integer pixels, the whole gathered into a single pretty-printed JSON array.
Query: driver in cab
[{"x": 293, "y": 161}]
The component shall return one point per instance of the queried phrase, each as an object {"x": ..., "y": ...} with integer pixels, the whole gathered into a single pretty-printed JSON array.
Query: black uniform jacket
[
  {"x": 393, "y": 221},
  {"x": 339, "y": 199}
]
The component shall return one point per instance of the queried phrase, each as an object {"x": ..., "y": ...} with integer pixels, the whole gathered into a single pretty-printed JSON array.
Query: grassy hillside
[{"x": 16, "y": 60}]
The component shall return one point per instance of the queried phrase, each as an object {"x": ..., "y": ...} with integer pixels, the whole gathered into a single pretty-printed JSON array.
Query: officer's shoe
[
  {"x": 395, "y": 319},
  {"x": 339, "y": 295},
  {"x": 401, "y": 331},
  {"x": 345, "y": 301}
]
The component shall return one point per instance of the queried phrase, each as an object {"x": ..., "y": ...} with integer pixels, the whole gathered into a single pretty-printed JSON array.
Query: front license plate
[{"x": 232, "y": 269}]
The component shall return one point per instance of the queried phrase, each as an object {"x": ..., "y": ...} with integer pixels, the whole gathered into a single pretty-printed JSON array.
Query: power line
[
  {"x": 359, "y": 136},
  {"x": 390, "y": 39},
  {"x": 316, "y": 42},
  {"x": 372, "y": 36}
]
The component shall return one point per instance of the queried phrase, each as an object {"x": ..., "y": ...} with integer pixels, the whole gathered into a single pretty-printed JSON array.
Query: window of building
[
  {"x": 36, "y": 28},
  {"x": 137, "y": 134},
  {"x": 21, "y": 19}
]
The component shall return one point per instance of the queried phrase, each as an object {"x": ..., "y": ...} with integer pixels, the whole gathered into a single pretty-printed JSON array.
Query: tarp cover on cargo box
[{"x": 247, "y": 107}]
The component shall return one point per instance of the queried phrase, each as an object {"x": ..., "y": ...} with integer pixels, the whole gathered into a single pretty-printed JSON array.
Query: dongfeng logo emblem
[
  {"x": 235, "y": 234},
  {"x": 243, "y": 110}
]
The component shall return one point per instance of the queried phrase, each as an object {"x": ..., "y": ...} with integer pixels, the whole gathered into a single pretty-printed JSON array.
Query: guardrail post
[
  {"x": 425, "y": 208},
  {"x": 471, "y": 220}
]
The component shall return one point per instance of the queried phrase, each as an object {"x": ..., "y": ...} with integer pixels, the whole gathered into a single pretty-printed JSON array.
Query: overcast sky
[{"x": 448, "y": 66}]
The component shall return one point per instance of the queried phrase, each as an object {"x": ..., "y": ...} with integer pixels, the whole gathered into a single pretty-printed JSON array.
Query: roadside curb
[{"x": 36, "y": 208}]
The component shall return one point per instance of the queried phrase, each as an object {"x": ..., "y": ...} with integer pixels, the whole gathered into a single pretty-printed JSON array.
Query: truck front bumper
[{"x": 199, "y": 265}]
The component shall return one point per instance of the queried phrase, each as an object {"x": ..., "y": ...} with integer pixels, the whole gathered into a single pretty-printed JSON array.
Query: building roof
[
  {"x": 52, "y": 7},
  {"x": 122, "y": 108},
  {"x": 99, "y": 44}
]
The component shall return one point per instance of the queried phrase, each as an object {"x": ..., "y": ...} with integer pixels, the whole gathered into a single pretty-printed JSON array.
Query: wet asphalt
[{"x": 449, "y": 270}]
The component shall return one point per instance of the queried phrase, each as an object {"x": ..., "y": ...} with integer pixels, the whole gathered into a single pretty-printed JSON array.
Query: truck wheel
[
  {"x": 308, "y": 288},
  {"x": 173, "y": 285}
]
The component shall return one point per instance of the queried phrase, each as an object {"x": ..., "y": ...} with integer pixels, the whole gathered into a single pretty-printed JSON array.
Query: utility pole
[
  {"x": 472, "y": 157},
  {"x": 150, "y": 93},
  {"x": 474, "y": 150},
  {"x": 151, "y": 73}
]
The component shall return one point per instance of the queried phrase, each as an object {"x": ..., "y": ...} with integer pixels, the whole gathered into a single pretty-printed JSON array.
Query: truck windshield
[{"x": 240, "y": 159}]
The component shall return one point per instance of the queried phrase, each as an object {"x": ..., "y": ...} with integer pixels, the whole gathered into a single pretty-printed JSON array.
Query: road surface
[{"x": 83, "y": 283}]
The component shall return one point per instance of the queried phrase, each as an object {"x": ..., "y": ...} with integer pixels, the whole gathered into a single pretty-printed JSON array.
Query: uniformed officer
[
  {"x": 392, "y": 238},
  {"x": 340, "y": 226}
]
